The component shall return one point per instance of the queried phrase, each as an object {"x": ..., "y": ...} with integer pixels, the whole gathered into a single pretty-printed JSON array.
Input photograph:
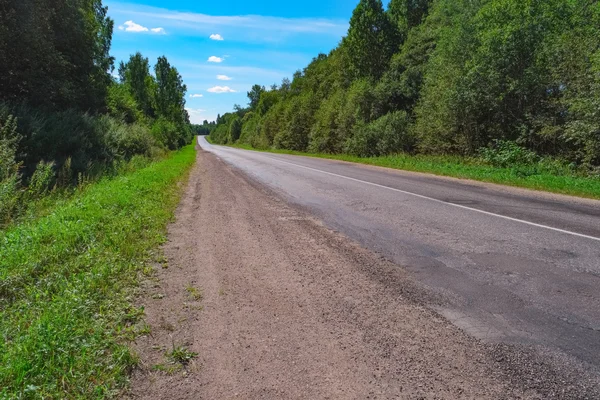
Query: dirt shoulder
[{"x": 278, "y": 306}]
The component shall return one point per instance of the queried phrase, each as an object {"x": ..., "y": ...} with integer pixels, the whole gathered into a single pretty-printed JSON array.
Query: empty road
[{"x": 506, "y": 265}]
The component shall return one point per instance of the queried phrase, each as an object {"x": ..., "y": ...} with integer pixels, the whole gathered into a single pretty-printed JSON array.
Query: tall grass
[{"x": 66, "y": 282}]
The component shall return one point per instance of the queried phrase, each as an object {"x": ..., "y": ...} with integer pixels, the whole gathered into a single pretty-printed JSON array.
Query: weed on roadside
[
  {"x": 194, "y": 293},
  {"x": 181, "y": 355}
]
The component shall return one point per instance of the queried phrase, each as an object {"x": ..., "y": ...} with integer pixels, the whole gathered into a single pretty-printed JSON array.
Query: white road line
[{"x": 433, "y": 199}]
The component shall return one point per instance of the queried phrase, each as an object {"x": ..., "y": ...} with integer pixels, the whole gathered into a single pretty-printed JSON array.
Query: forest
[
  {"x": 503, "y": 81},
  {"x": 64, "y": 116}
]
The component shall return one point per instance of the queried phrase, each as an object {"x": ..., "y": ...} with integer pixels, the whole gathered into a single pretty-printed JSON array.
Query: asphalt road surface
[{"x": 508, "y": 265}]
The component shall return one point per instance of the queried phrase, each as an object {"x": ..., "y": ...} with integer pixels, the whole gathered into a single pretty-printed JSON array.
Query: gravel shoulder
[{"x": 276, "y": 305}]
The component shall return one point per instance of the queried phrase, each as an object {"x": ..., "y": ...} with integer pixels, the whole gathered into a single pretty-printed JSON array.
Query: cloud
[
  {"x": 130, "y": 26},
  {"x": 215, "y": 59},
  {"x": 216, "y": 36},
  {"x": 196, "y": 95},
  {"x": 198, "y": 115},
  {"x": 256, "y": 27},
  {"x": 223, "y": 78},
  {"x": 221, "y": 89}
]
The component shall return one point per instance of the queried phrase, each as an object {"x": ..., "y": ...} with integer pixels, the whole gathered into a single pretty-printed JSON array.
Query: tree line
[
  {"x": 63, "y": 116},
  {"x": 513, "y": 81}
]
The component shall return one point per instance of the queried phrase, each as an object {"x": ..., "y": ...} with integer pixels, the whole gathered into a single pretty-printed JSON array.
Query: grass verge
[
  {"x": 66, "y": 282},
  {"x": 529, "y": 177}
]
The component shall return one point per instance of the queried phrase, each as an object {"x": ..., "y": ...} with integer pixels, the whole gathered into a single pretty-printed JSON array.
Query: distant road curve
[{"x": 511, "y": 265}]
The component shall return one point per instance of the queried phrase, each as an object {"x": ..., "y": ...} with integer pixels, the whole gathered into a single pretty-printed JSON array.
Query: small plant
[
  {"x": 181, "y": 355},
  {"x": 194, "y": 293},
  {"x": 168, "y": 368},
  {"x": 10, "y": 178},
  {"x": 41, "y": 180}
]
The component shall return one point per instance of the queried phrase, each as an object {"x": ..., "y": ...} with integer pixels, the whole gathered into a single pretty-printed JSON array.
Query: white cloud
[
  {"x": 133, "y": 27},
  {"x": 196, "y": 95},
  {"x": 221, "y": 89},
  {"x": 223, "y": 78},
  {"x": 216, "y": 36},
  {"x": 198, "y": 115},
  {"x": 215, "y": 59},
  {"x": 255, "y": 27},
  {"x": 130, "y": 26}
]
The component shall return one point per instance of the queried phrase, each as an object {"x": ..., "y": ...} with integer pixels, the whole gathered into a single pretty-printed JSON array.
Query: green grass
[
  {"x": 194, "y": 293},
  {"x": 529, "y": 177},
  {"x": 67, "y": 284}
]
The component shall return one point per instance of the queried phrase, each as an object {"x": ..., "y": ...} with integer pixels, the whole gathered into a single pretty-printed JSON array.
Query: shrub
[
  {"x": 386, "y": 135},
  {"x": 325, "y": 133},
  {"x": 505, "y": 153},
  {"x": 299, "y": 115},
  {"x": 42, "y": 179},
  {"x": 125, "y": 141},
  {"x": 235, "y": 129},
  {"x": 121, "y": 104},
  {"x": 165, "y": 132}
]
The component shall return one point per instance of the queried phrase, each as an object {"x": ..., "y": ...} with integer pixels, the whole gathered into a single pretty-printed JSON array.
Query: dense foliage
[
  {"x": 468, "y": 77},
  {"x": 63, "y": 117}
]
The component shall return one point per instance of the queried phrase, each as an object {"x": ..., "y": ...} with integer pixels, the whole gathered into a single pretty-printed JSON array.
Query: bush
[
  {"x": 235, "y": 129},
  {"x": 250, "y": 128},
  {"x": 505, "y": 154},
  {"x": 165, "y": 132},
  {"x": 299, "y": 115},
  {"x": 122, "y": 105},
  {"x": 58, "y": 136},
  {"x": 325, "y": 133},
  {"x": 125, "y": 141},
  {"x": 386, "y": 135},
  {"x": 42, "y": 179}
]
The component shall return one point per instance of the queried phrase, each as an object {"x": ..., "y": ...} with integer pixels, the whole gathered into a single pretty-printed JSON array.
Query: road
[{"x": 506, "y": 265}]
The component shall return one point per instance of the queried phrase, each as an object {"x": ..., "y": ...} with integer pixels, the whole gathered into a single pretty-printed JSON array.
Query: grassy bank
[
  {"x": 538, "y": 177},
  {"x": 66, "y": 282}
]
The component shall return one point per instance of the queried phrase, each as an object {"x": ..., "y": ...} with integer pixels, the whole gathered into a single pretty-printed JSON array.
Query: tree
[
  {"x": 254, "y": 95},
  {"x": 235, "y": 129},
  {"x": 136, "y": 75},
  {"x": 372, "y": 39},
  {"x": 170, "y": 91},
  {"x": 408, "y": 14},
  {"x": 55, "y": 54}
]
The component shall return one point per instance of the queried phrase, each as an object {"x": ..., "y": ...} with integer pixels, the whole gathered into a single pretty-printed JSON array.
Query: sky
[{"x": 222, "y": 48}]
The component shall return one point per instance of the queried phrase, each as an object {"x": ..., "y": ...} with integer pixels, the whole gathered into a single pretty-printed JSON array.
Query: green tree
[
  {"x": 408, "y": 13},
  {"x": 235, "y": 129},
  {"x": 170, "y": 90},
  {"x": 372, "y": 39},
  {"x": 254, "y": 96},
  {"x": 55, "y": 53},
  {"x": 135, "y": 73}
]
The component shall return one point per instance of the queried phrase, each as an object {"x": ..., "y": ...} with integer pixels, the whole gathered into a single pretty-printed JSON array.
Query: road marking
[{"x": 434, "y": 199}]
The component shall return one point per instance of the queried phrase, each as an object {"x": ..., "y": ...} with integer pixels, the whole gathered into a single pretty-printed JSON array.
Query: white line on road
[{"x": 436, "y": 200}]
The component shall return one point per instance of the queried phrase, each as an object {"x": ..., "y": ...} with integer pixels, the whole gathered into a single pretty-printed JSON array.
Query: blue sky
[{"x": 222, "y": 48}]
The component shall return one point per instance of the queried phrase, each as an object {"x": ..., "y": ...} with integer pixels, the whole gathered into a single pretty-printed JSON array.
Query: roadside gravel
[{"x": 278, "y": 306}]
